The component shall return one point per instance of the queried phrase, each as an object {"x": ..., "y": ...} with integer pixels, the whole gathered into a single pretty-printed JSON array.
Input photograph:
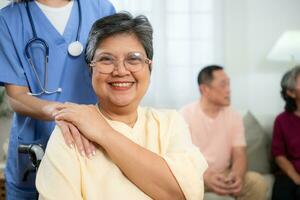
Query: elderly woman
[
  {"x": 286, "y": 140},
  {"x": 143, "y": 153}
]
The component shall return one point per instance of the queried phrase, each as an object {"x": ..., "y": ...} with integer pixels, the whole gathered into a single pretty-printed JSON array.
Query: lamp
[{"x": 287, "y": 48}]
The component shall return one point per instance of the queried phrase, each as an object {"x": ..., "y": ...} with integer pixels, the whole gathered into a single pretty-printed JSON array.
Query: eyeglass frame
[{"x": 116, "y": 62}]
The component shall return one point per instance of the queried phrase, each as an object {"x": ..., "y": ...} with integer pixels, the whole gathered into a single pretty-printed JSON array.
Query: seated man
[{"x": 219, "y": 133}]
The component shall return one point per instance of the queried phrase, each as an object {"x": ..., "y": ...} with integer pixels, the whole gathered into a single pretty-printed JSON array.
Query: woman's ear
[{"x": 291, "y": 94}]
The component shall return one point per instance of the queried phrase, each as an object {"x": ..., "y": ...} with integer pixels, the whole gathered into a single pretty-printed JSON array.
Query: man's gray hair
[{"x": 120, "y": 23}]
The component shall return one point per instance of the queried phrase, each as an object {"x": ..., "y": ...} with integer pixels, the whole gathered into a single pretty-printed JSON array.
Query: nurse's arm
[
  {"x": 28, "y": 105},
  {"x": 37, "y": 108}
]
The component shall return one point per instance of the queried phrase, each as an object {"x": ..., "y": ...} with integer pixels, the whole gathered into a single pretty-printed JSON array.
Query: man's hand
[
  {"x": 216, "y": 182},
  {"x": 234, "y": 183}
]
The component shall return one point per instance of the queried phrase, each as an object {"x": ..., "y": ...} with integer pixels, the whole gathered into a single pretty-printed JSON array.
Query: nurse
[{"x": 39, "y": 68}]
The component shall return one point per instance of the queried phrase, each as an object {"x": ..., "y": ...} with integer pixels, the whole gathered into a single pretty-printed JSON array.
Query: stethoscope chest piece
[{"x": 75, "y": 48}]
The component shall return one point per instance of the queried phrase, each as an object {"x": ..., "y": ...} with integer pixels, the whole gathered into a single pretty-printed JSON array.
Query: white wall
[
  {"x": 251, "y": 29},
  {"x": 3, "y": 3}
]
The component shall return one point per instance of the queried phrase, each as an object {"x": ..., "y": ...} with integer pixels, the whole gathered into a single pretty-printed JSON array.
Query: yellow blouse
[{"x": 66, "y": 175}]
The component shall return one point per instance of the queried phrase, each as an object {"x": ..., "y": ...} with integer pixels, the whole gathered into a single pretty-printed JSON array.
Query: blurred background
[
  {"x": 238, "y": 34},
  {"x": 189, "y": 34}
]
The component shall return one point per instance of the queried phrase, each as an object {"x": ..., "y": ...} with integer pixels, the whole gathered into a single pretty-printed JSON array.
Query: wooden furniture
[{"x": 2, "y": 186}]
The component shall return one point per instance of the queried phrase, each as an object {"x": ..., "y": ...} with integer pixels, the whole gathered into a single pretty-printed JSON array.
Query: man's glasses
[{"x": 107, "y": 63}]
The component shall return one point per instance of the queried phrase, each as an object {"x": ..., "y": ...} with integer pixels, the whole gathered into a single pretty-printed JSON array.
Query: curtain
[{"x": 187, "y": 36}]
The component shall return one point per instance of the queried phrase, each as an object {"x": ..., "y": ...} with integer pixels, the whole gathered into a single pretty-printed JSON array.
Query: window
[{"x": 187, "y": 36}]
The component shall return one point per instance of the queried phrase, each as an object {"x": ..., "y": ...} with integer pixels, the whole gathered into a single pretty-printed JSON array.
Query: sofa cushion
[{"x": 258, "y": 143}]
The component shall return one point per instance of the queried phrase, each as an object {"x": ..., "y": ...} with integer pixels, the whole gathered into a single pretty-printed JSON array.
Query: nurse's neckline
[{"x": 54, "y": 3}]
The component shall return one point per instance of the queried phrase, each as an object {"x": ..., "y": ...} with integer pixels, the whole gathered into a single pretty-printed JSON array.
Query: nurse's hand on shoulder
[
  {"x": 71, "y": 134},
  {"x": 37, "y": 108},
  {"x": 50, "y": 108},
  {"x": 86, "y": 118}
]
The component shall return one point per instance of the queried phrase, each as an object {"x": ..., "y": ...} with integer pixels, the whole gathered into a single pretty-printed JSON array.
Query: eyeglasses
[{"x": 106, "y": 63}]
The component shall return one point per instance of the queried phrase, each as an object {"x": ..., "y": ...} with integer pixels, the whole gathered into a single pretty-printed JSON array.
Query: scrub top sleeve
[
  {"x": 107, "y": 8},
  {"x": 11, "y": 71},
  {"x": 185, "y": 160},
  {"x": 59, "y": 174}
]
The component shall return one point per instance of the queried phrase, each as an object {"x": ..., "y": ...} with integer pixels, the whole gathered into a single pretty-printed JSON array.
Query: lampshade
[{"x": 287, "y": 48}]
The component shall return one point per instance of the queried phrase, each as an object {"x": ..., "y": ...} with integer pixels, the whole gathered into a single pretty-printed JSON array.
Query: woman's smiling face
[{"x": 121, "y": 87}]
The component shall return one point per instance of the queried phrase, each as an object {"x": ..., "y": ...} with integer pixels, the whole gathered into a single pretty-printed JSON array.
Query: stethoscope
[{"x": 74, "y": 49}]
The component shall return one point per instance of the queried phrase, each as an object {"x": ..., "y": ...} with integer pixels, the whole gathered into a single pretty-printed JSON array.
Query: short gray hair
[
  {"x": 119, "y": 23},
  {"x": 288, "y": 82},
  {"x": 290, "y": 78}
]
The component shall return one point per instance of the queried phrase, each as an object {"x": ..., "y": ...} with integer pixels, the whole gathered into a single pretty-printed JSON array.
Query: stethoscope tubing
[{"x": 36, "y": 39}]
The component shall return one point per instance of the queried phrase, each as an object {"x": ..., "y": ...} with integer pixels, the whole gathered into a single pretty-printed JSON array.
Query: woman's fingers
[
  {"x": 76, "y": 116},
  {"x": 77, "y": 138},
  {"x": 66, "y": 133},
  {"x": 88, "y": 147},
  {"x": 64, "y": 106},
  {"x": 93, "y": 147},
  {"x": 72, "y": 137}
]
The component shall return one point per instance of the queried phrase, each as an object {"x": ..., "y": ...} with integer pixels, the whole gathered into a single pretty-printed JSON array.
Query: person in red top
[{"x": 286, "y": 140}]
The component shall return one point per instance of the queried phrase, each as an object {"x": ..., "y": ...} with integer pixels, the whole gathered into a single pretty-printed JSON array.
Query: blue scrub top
[{"x": 69, "y": 73}]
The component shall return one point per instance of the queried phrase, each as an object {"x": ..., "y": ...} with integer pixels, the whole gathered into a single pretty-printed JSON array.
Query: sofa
[{"x": 258, "y": 133}]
